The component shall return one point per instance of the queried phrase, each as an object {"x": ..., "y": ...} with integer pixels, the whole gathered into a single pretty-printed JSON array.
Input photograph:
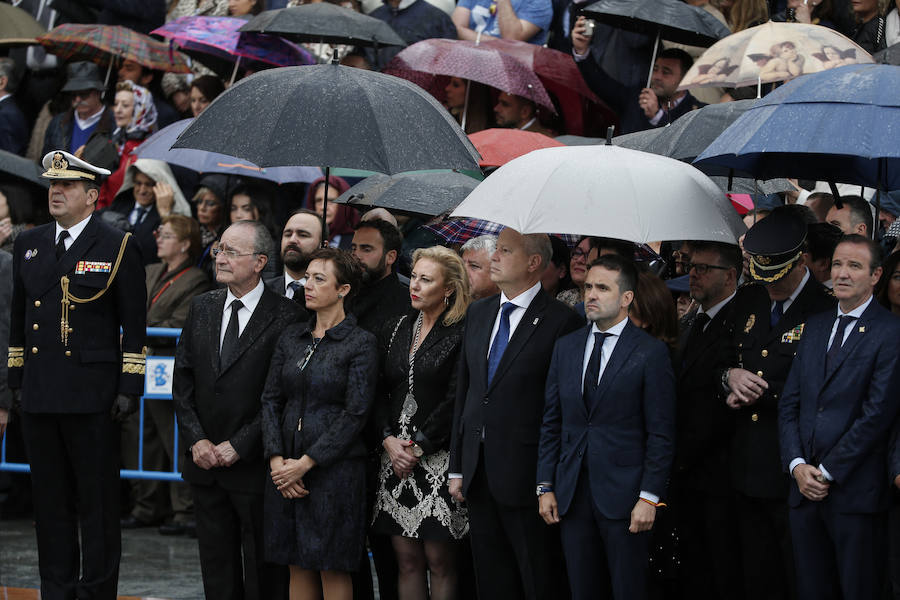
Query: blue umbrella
[
  {"x": 839, "y": 125},
  {"x": 159, "y": 146}
]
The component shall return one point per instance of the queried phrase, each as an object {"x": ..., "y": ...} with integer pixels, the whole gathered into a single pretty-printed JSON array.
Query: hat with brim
[
  {"x": 775, "y": 245},
  {"x": 82, "y": 76},
  {"x": 61, "y": 165}
]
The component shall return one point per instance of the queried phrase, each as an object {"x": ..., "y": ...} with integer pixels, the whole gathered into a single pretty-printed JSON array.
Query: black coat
[
  {"x": 143, "y": 231},
  {"x": 508, "y": 412},
  {"x": 380, "y": 302},
  {"x": 704, "y": 423},
  {"x": 13, "y": 129},
  {"x": 434, "y": 381},
  {"x": 221, "y": 404},
  {"x": 769, "y": 352},
  {"x": 59, "y": 133},
  {"x": 320, "y": 411},
  {"x": 84, "y": 375},
  {"x": 624, "y": 99}
]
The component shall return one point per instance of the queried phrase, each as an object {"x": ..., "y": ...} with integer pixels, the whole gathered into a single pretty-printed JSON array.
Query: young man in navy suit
[
  {"x": 835, "y": 416},
  {"x": 607, "y": 438}
]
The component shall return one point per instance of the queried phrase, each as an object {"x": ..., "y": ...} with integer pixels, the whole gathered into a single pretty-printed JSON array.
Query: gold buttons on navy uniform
[
  {"x": 754, "y": 417},
  {"x": 759, "y": 374},
  {"x": 35, "y": 327},
  {"x": 71, "y": 307},
  {"x": 37, "y": 303},
  {"x": 765, "y": 353},
  {"x": 34, "y": 349},
  {"x": 68, "y": 353}
]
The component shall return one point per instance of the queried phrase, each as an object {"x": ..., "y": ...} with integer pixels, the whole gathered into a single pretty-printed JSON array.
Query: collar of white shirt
[
  {"x": 524, "y": 299},
  {"x": 249, "y": 300},
  {"x": 715, "y": 308},
  {"x": 74, "y": 231},
  {"x": 857, "y": 312},
  {"x": 615, "y": 330},
  {"x": 91, "y": 120},
  {"x": 288, "y": 280}
]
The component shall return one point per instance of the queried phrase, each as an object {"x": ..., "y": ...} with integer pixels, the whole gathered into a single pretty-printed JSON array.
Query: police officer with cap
[
  {"x": 76, "y": 283},
  {"x": 769, "y": 320}
]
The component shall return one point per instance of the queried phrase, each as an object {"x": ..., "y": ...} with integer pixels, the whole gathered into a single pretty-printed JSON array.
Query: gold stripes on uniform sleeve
[
  {"x": 16, "y": 357},
  {"x": 133, "y": 363}
]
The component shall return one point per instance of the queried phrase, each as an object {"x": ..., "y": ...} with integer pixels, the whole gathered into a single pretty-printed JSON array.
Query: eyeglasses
[
  {"x": 231, "y": 254},
  {"x": 702, "y": 269},
  {"x": 579, "y": 253}
]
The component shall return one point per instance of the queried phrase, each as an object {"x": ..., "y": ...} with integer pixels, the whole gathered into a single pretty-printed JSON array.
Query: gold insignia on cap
[
  {"x": 763, "y": 260},
  {"x": 60, "y": 168},
  {"x": 750, "y": 322},
  {"x": 59, "y": 162}
]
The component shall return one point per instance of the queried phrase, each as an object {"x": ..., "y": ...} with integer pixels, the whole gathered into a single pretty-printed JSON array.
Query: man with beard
[
  {"x": 638, "y": 109},
  {"x": 301, "y": 236},
  {"x": 376, "y": 244}
]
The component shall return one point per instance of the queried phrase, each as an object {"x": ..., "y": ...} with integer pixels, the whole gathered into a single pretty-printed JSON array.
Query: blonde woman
[{"x": 414, "y": 412}]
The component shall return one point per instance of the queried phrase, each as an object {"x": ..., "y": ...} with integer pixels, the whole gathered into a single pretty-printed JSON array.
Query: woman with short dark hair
[{"x": 320, "y": 386}]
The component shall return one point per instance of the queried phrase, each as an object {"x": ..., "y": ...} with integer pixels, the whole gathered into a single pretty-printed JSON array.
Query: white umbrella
[{"x": 605, "y": 191}]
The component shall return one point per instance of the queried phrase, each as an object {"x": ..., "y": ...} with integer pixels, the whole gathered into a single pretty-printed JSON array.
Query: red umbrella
[
  {"x": 559, "y": 74},
  {"x": 499, "y": 146},
  {"x": 466, "y": 60}
]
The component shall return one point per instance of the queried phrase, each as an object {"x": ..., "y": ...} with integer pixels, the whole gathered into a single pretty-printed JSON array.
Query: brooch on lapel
[
  {"x": 862, "y": 329},
  {"x": 750, "y": 322},
  {"x": 793, "y": 335},
  {"x": 536, "y": 319},
  {"x": 92, "y": 266},
  {"x": 29, "y": 254}
]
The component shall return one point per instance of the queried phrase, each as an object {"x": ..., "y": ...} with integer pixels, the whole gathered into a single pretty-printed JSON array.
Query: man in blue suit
[
  {"x": 835, "y": 416},
  {"x": 607, "y": 438}
]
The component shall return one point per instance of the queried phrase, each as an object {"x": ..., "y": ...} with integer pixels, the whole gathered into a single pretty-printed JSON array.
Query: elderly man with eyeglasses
[{"x": 220, "y": 370}]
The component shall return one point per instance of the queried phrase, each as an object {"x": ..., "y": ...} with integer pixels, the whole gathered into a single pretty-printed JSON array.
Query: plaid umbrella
[
  {"x": 216, "y": 42},
  {"x": 18, "y": 27},
  {"x": 104, "y": 44},
  {"x": 459, "y": 231}
]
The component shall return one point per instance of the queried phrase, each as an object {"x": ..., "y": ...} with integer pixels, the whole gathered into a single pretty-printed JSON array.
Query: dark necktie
[
  {"x": 61, "y": 244},
  {"x": 592, "y": 374},
  {"x": 697, "y": 326},
  {"x": 500, "y": 340},
  {"x": 777, "y": 312},
  {"x": 837, "y": 342},
  {"x": 294, "y": 286},
  {"x": 230, "y": 343}
]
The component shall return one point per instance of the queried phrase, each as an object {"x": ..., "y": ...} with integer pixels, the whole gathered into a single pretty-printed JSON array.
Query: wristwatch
[
  {"x": 417, "y": 451},
  {"x": 543, "y": 489}
]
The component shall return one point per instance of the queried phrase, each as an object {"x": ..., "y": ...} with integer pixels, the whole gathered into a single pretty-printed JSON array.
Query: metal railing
[{"x": 158, "y": 385}]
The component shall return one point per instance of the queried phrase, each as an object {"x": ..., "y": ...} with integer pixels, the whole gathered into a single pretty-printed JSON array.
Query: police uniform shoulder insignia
[
  {"x": 793, "y": 335},
  {"x": 750, "y": 322}
]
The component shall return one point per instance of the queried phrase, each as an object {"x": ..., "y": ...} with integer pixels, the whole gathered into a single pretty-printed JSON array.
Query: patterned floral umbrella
[
  {"x": 467, "y": 60},
  {"x": 772, "y": 52},
  {"x": 216, "y": 42},
  {"x": 105, "y": 44}
]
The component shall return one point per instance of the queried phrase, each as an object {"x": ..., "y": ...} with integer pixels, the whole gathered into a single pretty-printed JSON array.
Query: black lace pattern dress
[
  {"x": 319, "y": 410},
  {"x": 419, "y": 506}
]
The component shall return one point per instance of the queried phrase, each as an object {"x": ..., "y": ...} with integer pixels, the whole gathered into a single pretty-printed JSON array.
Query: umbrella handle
[
  {"x": 106, "y": 81},
  {"x": 466, "y": 105},
  {"x": 653, "y": 59},
  {"x": 325, "y": 209},
  {"x": 235, "y": 70}
]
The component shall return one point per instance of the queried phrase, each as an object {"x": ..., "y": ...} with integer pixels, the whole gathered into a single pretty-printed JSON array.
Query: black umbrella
[
  {"x": 428, "y": 194},
  {"x": 691, "y": 134},
  {"x": 671, "y": 20},
  {"x": 331, "y": 116},
  {"x": 326, "y": 23},
  {"x": 22, "y": 168}
]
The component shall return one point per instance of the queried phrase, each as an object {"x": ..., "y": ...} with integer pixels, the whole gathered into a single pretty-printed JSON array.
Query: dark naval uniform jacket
[
  {"x": 768, "y": 352},
  {"x": 67, "y": 358}
]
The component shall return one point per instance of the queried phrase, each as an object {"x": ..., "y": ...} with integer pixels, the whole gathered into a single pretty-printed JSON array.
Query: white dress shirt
[
  {"x": 249, "y": 300},
  {"x": 288, "y": 280},
  {"x": 714, "y": 309},
  {"x": 74, "y": 232},
  {"x": 856, "y": 313},
  {"x": 91, "y": 120},
  {"x": 522, "y": 302},
  {"x": 609, "y": 344}
]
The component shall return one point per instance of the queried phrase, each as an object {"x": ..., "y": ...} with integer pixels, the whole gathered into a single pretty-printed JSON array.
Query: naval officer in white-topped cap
[{"x": 76, "y": 283}]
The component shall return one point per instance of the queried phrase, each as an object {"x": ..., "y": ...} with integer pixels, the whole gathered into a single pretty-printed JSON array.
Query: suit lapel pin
[
  {"x": 862, "y": 329},
  {"x": 29, "y": 254},
  {"x": 536, "y": 319},
  {"x": 750, "y": 323}
]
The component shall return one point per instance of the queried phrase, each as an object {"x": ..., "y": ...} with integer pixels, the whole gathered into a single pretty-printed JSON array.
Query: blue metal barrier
[{"x": 140, "y": 473}]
